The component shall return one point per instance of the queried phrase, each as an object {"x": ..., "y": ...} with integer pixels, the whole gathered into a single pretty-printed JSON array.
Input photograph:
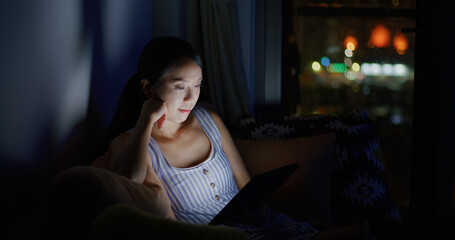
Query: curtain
[{"x": 226, "y": 83}]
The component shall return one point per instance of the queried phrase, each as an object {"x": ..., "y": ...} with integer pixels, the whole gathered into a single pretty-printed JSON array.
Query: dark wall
[
  {"x": 63, "y": 65},
  {"x": 432, "y": 209}
]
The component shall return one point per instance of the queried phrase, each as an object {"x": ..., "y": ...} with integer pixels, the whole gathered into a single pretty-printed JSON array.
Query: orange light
[
  {"x": 400, "y": 42},
  {"x": 380, "y": 36},
  {"x": 350, "y": 42}
]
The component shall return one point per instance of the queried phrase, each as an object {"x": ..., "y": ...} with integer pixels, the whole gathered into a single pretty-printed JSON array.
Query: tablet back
[{"x": 259, "y": 187}]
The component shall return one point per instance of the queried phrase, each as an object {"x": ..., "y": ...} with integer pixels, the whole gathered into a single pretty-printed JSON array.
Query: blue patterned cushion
[{"x": 358, "y": 184}]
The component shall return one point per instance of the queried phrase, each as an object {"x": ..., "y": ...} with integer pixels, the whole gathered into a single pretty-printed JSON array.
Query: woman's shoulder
[{"x": 210, "y": 109}]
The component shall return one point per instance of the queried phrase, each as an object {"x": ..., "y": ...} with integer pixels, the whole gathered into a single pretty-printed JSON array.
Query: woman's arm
[
  {"x": 128, "y": 155},
  {"x": 239, "y": 170},
  {"x": 128, "y": 152}
]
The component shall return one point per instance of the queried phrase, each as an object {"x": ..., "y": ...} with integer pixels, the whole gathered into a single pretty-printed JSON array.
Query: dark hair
[{"x": 157, "y": 57}]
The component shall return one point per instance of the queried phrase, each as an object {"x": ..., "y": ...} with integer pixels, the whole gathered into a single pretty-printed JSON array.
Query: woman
[{"x": 161, "y": 137}]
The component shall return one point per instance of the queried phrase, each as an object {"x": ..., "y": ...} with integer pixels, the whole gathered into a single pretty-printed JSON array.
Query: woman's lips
[{"x": 185, "y": 110}]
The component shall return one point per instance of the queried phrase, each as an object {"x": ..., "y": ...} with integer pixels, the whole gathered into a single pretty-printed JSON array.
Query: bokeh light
[
  {"x": 400, "y": 42},
  {"x": 400, "y": 70},
  {"x": 337, "y": 67},
  {"x": 325, "y": 61},
  {"x": 387, "y": 69},
  {"x": 348, "y": 53},
  {"x": 375, "y": 69},
  {"x": 316, "y": 66},
  {"x": 348, "y": 62},
  {"x": 380, "y": 36},
  {"x": 356, "y": 67},
  {"x": 350, "y": 42},
  {"x": 351, "y": 75}
]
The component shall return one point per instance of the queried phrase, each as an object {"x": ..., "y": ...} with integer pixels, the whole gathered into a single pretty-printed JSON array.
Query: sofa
[{"x": 340, "y": 182}]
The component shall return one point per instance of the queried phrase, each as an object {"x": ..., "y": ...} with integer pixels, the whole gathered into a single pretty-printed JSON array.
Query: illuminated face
[{"x": 180, "y": 89}]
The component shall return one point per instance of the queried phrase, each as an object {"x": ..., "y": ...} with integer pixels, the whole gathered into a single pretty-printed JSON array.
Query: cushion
[
  {"x": 268, "y": 128},
  {"x": 124, "y": 221},
  {"x": 80, "y": 193},
  {"x": 359, "y": 187},
  {"x": 305, "y": 196},
  {"x": 358, "y": 184}
]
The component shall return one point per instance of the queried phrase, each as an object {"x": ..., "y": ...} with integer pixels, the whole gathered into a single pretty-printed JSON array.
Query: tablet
[{"x": 259, "y": 187}]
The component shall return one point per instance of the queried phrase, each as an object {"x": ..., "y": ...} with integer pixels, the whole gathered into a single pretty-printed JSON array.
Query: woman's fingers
[
  {"x": 156, "y": 109},
  {"x": 161, "y": 114},
  {"x": 160, "y": 121}
]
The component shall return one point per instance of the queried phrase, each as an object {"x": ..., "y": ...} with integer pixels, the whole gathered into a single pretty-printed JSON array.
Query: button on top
[
  {"x": 212, "y": 185},
  {"x": 205, "y": 171}
]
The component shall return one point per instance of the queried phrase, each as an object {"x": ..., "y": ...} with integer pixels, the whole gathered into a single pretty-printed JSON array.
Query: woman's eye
[
  {"x": 198, "y": 85},
  {"x": 179, "y": 87}
]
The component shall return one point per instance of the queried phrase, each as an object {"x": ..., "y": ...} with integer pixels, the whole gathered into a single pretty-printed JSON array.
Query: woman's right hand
[{"x": 155, "y": 110}]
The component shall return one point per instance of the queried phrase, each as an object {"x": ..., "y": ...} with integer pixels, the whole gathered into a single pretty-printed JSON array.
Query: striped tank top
[{"x": 197, "y": 193}]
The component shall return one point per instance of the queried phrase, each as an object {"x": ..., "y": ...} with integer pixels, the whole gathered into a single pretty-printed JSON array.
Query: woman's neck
[{"x": 172, "y": 130}]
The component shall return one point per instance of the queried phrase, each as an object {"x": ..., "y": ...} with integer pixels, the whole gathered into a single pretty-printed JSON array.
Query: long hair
[{"x": 157, "y": 57}]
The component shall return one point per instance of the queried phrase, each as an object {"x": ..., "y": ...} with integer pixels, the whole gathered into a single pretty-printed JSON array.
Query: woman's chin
[{"x": 181, "y": 118}]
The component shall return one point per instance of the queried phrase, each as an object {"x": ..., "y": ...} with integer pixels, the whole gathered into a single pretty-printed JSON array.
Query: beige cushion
[
  {"x": 77, "y": 184},
  {"x": 305, "y": 196}
]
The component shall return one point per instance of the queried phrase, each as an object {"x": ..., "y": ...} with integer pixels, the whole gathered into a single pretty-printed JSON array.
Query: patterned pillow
[
  {"x": 358, "y": 184},
  {"x": 269, "y": 128},
  {"x": 358, "y": 181}
]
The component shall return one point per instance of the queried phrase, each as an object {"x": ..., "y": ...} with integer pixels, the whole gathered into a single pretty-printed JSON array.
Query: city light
[
  {"x": 375, "y": 69},
  {"x": 387, "y": 69},
  {"x": 400, "y": 70},
  {"x": 350, "y": 42},
  {"x": 325, "y": 61},
  {"x": 337, "y": 68},
  {"x": 351, "y": 75},
  {"x": 400, "y": 42},
  {"x": 380, "y": 36},
  {"x": 348, "y": 53},
  {"x": 316, "y": 66},
  {"x": 356, "y": 67}
]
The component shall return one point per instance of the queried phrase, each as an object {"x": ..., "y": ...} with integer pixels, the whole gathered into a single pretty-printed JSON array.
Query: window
[{"x": 338, "y": 55}]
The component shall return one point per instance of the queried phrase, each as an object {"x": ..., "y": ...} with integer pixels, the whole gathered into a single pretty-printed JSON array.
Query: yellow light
[
  {"x": 350, "y": 42},
  {"x": 316, "y": 66},
  {"x": 356, "y": 67}
]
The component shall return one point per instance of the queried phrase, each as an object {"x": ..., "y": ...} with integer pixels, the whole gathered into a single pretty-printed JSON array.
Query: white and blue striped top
[{"x": 197, "y": 193}]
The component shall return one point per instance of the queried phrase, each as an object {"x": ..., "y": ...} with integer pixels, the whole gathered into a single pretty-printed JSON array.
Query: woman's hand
[{"x": 155, "y": 110}]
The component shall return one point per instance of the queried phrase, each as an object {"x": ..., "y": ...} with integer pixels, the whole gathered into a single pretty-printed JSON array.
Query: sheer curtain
[{"x": 226, "y": 83}]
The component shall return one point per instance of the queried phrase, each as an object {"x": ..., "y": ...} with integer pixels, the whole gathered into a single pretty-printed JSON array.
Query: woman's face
[{"x": 180, "y": 88}]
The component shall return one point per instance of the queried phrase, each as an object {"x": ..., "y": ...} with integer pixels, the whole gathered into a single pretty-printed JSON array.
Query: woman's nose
[{"x": 188, "y": 96}]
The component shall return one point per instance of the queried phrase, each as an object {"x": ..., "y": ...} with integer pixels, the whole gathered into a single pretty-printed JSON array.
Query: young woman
[{"x": 161, "y": 137}]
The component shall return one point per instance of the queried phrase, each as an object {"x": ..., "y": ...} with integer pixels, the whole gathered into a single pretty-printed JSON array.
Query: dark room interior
[{"x": 64, "y": 65}]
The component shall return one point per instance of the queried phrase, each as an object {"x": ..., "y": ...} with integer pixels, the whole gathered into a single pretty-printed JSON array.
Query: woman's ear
[{"x": 147, "y": 88}]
